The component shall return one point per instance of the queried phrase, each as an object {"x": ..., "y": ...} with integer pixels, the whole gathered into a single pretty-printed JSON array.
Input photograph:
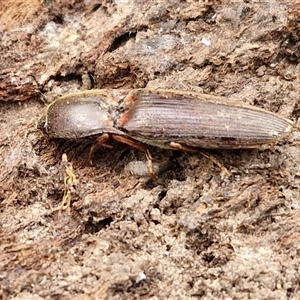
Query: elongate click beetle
[{"x": 164, "y": 118}]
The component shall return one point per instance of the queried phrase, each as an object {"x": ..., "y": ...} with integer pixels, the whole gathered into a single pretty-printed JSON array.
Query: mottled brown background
[{"x": 196, "y": 233}]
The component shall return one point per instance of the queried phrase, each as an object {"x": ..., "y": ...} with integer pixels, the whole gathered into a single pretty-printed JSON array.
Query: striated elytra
[{"x": 163, "y": 118}]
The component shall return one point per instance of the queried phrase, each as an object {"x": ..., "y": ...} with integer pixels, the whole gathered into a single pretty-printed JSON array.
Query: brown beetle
[{"x": 163, "y": 118}]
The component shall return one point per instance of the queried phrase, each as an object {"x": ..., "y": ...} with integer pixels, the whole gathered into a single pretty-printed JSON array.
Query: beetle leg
[
  {"x": 178, "y": 146},
  {"x": 137, "y": 145},
  {"x": 181, "y": 147},
  {"x": 100, "y": 141}
]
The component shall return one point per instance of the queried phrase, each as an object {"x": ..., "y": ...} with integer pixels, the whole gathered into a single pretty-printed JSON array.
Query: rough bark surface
[{"x": 196, "y": 233}]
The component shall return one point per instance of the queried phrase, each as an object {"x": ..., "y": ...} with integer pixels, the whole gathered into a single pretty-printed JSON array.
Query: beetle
[{"x": 164, "y": 118}]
